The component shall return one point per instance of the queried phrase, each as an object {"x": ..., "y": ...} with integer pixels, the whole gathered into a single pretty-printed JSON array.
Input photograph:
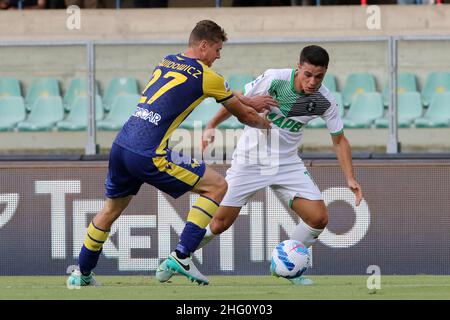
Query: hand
[
  {"x": 261, "y": 103},
  {"x": 356, "y": 189},
  {"x": 207, "y": 137}
]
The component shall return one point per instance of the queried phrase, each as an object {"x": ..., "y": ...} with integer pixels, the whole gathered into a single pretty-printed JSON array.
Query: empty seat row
[
  {"x": 48, "y": 113},
  {"x": 49, "y": 87},
  {"x": 436, "y": 82},
  {"x": 44, "y": 96},
  {"x": 368, "y": 110}
]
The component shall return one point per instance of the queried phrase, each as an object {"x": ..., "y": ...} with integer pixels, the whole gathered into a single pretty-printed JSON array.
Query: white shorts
[{"x": 290, "y": 181}]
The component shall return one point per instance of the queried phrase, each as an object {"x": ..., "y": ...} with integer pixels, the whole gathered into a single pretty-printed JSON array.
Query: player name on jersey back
[{"x": 193, "y": 71}]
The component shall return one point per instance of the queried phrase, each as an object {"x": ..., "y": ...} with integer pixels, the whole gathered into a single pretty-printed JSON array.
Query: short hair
[
  {"x": 314, "y": 55},
  {"x": 207, "y": 30}
]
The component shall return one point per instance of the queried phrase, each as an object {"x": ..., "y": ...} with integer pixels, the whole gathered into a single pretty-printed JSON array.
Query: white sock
[
  {"x": 207, "y": 238},
  {"x": 305, "y": 234}
]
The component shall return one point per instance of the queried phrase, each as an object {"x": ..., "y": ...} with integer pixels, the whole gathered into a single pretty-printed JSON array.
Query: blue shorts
[{"x": 171, "y": 173}]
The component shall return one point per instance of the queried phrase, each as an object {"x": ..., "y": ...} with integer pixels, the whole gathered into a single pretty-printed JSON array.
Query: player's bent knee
[
  {"x": 221, "y": 187},
  {"x": 320, "y": 220},
  {"x": 323, "y": 221}
]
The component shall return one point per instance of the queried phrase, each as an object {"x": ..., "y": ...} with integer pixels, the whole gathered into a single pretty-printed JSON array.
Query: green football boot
[{"x": 77, "y": 279}]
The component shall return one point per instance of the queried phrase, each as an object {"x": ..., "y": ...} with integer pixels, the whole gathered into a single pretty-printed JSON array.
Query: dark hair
[
  {"x": 314, "y": 55},
  {"x": 207, "y": 30}
]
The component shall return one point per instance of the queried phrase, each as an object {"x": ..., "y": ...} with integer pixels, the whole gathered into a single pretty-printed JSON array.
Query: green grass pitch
[{"x": 227, "y": 288}]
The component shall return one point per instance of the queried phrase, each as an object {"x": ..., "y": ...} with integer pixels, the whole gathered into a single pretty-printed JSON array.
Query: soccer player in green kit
[{"x": 301, "y": 98}]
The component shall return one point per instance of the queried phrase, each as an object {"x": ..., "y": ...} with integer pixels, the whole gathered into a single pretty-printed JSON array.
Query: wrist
[{"x": 246, "y": 100}]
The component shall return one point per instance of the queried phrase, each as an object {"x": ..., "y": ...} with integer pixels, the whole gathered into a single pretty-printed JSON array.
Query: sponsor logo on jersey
[
  {"x": 227, "y": 86},
  {"x": 195, "y": 164},
  {"x": 311, "y": 106},
  {"x": 147, "y": 115},
  {"x": 285, "y": 123}
]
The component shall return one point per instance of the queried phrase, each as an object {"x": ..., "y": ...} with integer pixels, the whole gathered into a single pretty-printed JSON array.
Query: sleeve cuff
[
  {"x": 337, "y": 132},
  {"x": 225, "y": 99}
]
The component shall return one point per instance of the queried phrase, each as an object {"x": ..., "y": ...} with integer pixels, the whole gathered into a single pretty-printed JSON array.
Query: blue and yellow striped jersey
[{"x": 178, "y": 85}]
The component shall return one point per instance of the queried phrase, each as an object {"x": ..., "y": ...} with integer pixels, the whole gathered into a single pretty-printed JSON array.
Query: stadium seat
[
  {"x": 364, "y": 110},
  {"x": 77, "y": 87},
  {"x": 12, "y": 110},
  {"x": 436, "y": 82},
  {"x": 121, "y": 109},
  {"x": 41, "y": 87},
  {"x": 237, "y": 82},
  {"x": 77, "y": 118},
  {"x": 45, "y": 112},
  {"x": 437, "y": 114},
  {"x": 119, "y": 87},
  {"x": 409, "y": 108},
  {"x": 330, "y": 82},
  {"x": 406, "y": 82},
  {"x": 201, "y": 114},
  {"x": 357, "y": 83},
  {"x": 319, "y": 122},
  {"x": 9, "y": 87}
]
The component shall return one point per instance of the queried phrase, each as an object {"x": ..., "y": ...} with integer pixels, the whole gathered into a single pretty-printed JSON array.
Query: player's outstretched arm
[
  {"x": 245, "y": 114},
  {"x": 260, "y": 103},
  {"x": 209, "y": 132},
  {"x": 344, "y": 155},
  {"x": 221, "y": 115}
]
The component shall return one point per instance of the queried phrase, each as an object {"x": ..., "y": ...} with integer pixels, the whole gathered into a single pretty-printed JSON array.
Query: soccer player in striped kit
[{"x": 140, "y": 152}]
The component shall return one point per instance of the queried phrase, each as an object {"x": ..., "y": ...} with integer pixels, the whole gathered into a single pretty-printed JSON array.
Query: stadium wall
[
  {"x": 240, "y": 23},
  {"x": 401, "y": 226}
]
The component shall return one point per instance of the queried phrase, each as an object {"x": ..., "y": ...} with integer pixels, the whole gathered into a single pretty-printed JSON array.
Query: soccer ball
[{"x": 290, "y": 259}]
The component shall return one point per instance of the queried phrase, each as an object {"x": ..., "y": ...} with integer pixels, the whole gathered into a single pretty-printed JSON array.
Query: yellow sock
[
  {"x": 95, "y": 238},
  {"x": 202, "y": 211}
]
